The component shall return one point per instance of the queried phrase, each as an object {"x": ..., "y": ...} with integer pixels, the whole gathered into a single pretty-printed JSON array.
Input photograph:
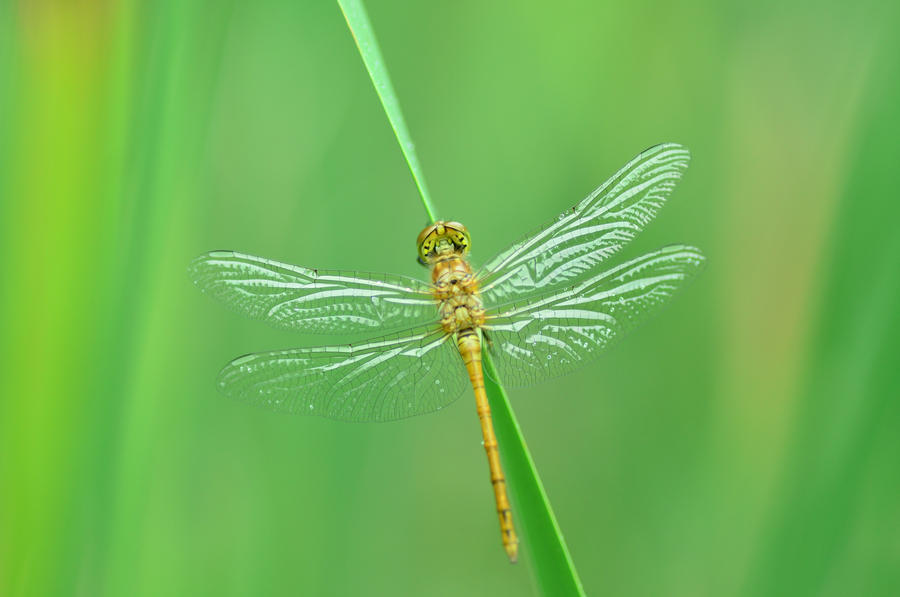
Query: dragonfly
[{"x": 541, "y": 308}]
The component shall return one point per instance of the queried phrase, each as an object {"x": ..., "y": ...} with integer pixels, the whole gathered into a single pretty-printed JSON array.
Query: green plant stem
[
  {"x": 553, "y": 566},
  {"x": 361, "y": 28}
]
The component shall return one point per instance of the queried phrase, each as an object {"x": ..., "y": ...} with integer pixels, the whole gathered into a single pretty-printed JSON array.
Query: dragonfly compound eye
[{"x": 457, "y": 234}]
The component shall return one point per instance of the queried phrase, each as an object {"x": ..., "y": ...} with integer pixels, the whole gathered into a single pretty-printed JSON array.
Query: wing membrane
[
  {"x": 312, "y": 301},
  {"x": 551, "y": 335},
  {"x": 394, "y": 377},
  {"x": 568, "y": 249}
]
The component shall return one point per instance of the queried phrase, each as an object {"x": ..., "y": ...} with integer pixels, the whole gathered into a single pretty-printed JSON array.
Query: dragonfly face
[
  {"x": 442, "y": 240},
  {"x": 548, "y": 302}
]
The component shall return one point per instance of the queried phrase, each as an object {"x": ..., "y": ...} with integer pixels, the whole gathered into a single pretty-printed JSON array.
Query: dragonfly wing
[
  {"x": 312, "y": 301},
  {"x": 568, "y": 248},
  {"x": 551, "y": 335},
  {"x": 394, "y": 377}
]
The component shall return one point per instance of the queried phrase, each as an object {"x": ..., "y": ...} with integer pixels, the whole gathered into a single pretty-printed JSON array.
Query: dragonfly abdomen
[{"x": 469, "y": 345}]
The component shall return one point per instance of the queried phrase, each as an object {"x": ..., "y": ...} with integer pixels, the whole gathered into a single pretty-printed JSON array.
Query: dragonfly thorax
[{"x": 455, "y": 288}]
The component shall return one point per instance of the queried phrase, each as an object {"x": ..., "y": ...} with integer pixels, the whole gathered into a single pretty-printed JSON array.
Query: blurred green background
[{"x": 744, "y": 442}]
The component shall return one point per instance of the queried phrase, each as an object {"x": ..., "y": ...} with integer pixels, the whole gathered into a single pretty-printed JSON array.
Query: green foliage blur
[{"x": 744, "y": 442}]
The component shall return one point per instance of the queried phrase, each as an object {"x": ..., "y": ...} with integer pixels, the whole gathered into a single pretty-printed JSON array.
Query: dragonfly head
[{"x": 442, "y": 238}]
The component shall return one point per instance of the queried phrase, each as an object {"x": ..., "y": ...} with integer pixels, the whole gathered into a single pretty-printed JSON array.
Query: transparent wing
[
  {"x": 312, "y": 301},
  {"x": 569, "y": 248},
  {"x": 394, "y": 377},
  {"x": 551, "y": 335}
]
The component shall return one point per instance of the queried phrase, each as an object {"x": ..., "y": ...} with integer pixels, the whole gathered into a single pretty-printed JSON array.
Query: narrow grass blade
[
  {"x": 550, "y": 557},
  {"x": 358, "y": 21}
]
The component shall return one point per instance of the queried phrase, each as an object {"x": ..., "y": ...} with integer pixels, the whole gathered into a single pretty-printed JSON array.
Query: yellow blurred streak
[{"x": 57, "y": 162}]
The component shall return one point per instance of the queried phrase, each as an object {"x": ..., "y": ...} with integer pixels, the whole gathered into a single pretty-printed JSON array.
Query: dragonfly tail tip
[{"x": 513, "y": 552}]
